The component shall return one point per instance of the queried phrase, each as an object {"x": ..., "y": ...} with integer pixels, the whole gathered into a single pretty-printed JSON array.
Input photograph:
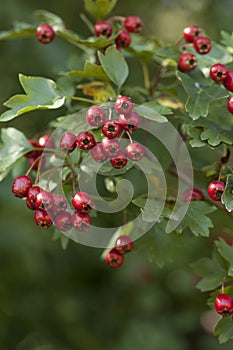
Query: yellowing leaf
[{"x": 100, "y": 91}]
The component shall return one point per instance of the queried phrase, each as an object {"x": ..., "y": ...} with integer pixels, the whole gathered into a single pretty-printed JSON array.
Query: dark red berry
[
  {"x": 45, "y": 33},
  {"x": 31, "y": 197},
  {"x": 187, "y": 62},
  {"x": 216, "y": 189},
  {"x": 119, "y": 161},
  {"x": 44, "y": 200},
  {"x": 103, "y": 28},
  {"x": 98, "y": 153},
  {"x": 123, "y": 40},
  {"x": 111, "y": 146},
  {"x": 192, "y": 32},
  {"x": 81, "y": 221},
  {"x": 95, "y": 116},
  {"x": 230, "y": 104},
  {"x": 46, "y": 141},
  {"x": 224, "y": 304},
  {"x": 85, "y": 140},
  {"x": 202, "y": 45},
  {"x": 124, "y": 244},
  {"x": 130, "y": 121},
  {"x": 123, "y": 105},
  {"x": 35, "y": 153},
  {"x": 42, "y": 218},
  {"x": 114, "y": 259},
  {"x": 21, "y": 185},
  {"x": 192, "y": 194},
  {"x": 68, "y": 142},
  {"x": 59, "y": 202},
  {"x": 228, "y": 82},
  {"x": 82, "y": 202},
  {"x": 134, "y": 152},
  {"x": 218, "y": 72},
  {"x": 133, "y": 24},
  {"x": 111, "y": 129},
  {"x": 63, "y": 222}
]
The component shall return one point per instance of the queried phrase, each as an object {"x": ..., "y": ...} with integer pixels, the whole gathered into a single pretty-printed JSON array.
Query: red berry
[
  {"x": 130, "y": 121},
  {"x": 133, "y": 24},
  {"x": 98, "y": 153},
  {"x": 31, "y": 197},
  {"x": 216, "y": 189},
  {"x": 111, "y": 129},
  {"x": 62, "y": 221},
  {"x": 42, "y": 218},
  {"x": 119, "y": 161},
  {"x": 134, "y": 152},
  {"x": 187, "y": 62},
  {"x": 103, "y": 28},
  {"x": 192, "y": 194},
  {"x": 228, "y": 82},
  {"x": 68, "y": 142},
  {"x": 123, "y": 104},
  {"x": 111, "y": 146},
  {"x": 224, "y": 304},
  {"x": 46, "y": 141},
  {"x": 114, "y": 259},
  {"x": 123, "y": 40},
  {"x": 82, "y": 202},
  {"x": 95, "y": 116},
  {"x": 191, "y": 32},
  {"x": 44, "y": 200},
  {"x": 81, "y": 221},
  {"x": 21, "y": 186},
  {"x": 85, "y": 140},
  {"x": 45, "y": 33},
  {"x": 59, "y": 202},
  {"x": 218, "y": 72},
  {"x": 35, "y": 153},
  {"x": 202, "y": 45},
  {"x": 230, "y": 104},
  {"x": 124, "y": 244}
]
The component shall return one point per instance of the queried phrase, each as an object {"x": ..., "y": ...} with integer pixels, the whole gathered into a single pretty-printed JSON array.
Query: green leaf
[
  {"x": 90, "y": 71},
  {"x": 226, "y": 252},
  {"x": 196, "y": 219},
  {"x": 227, "y": 197},
  {"x": 44, "y": 16},
  {"x": 41, "y": 93},
  {"x": 114, "y": 65},
  {"x": 99, "y": 8},
  {"x": 150, "y": 112},
  {"x": 224, "y": 330},
  {"x": 20, "y": 30},
  {"x": 227, "y": 40}
]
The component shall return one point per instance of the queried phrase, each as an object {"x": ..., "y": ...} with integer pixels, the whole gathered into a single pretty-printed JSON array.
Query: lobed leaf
[
  {"x": 99, "y": 8},
  {"x": 227, "y": 197},
  {"x": 226, "y": 251}
]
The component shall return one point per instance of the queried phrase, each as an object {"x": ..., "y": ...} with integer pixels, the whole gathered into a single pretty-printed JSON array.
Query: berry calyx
[
  {"x": 82, "y": 202},
  {"x": 202, "y": 45},
  {"x": 130, "y": 121},
  {"x": 228, "y": 82},
  {"x": 123, "y": 104},
  {"x": 187, "y": 62},
  {"x": 192, "y": 194},
  {"x": 44, "y": 200},
  {"x": 133, "y": 24},
  {"x": 103, "y": 28},
  {"x": 192, "y": 32},
  {"x": 230, "y": 104},
  {"x": 42, "y": 218},
  {"x": 95, "y": 116},
  {"x": 85, "y": 140},
  {"x": 81, "y": 221},
  {"x": 62, "y": 221},
  {"x": 21, "y": 186},
  {"x": 98, "y": 153},
  {"x": 123, "y": 40},
  {"x": 114, "y": 259},
  {"x": 45, "y": 33},
  {"x": 119, "y": 161},
  {"x": 134, "y": 152},
  {"x": 31, "y": 197},
  {"x": 124, "y": 244},
  {"x": 218, "y": 72},
  {"x": 224, "y": 304},
  {"x": 216, "y": 189},
  {"x": 111, "y": 146},
  {"x": 68, "y": 142},
  {"x": 111, "y": 129}
]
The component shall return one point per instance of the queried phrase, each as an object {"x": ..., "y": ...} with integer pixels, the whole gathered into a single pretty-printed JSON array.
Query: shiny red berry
[
  {"x": 224, "y": 304},
  {"x": 192, "y": 194},
  {"x": 123, "y": 104},
  {"x": 216, "y": 189},
  {"x": 98, "y": 153},
  {"x": 45, "y": 33},
  {"x": 134, "y": 151},
  {"x": 230, "y": 104},
  {"x": 44, "y": 200},
  {"x": 82, "y": 202},
  {"x": 59, "y": 202},
  {"x": 42, "y": 218},
  {"x": 103, "y": 28},
  {"x": 187, "y": 62},
  {"x": 68, "y": 142},
  {"x": 218, "y": 72},
  {"x": 21, "y": 186},
  {"x": 35, "y": 153},
  {"x": 114, "y": 259},
  {"x": 202, "y": 45},
  {"x": 133, "y": 24},
  {"x": 31, "y": 197},
  {"x": 130, "y": 121},
  {"x": 46, "y": 141},
  {"x": 85, "y": 140},
  {"x": 63, "y": 222},
  {"x": 111, "y": 146},
  {"x": 81, "y": 221},
  {"x": 192, "y": 32},
  {"x": 119, "y": 161},
  {"x": 124, "y": 244},
  {"x": 123, "y": 40},
  {"x": 95, "y": 116},
  {"x": 228, "y": 82},
  {"x": 111, "y": 129}
]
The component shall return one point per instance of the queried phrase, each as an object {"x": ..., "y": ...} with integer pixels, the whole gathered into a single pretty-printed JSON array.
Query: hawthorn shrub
[{"x": 122, "y": 160}]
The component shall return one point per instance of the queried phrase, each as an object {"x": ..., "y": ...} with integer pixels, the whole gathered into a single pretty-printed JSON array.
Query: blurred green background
[{"x": 58, "y": 299}]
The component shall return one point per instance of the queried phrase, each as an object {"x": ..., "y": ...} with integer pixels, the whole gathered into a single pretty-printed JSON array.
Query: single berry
[
  {"x": 216, "y": 189},
  {"x": 103, "y": 28},
  {"x": 187, "y": 62},
  {"x": 63, "y": 222},
  {"x": 31, "y": 197},
  {"x": 95, "y": 116},
  {"x": 82, "y": 202},
  {"x": 111, "y": 129},
  {"x": 81, "y": 221},
  {"x": 59, "y": 202},
  {"x": 44, "y": 200},
  {"x": 35, "y": 153},
  {"x": 224, "y": 304},
  {"x": 45, "y": 33},
  {"x": 111, "y": 146},
  {"x": 228, "y": 82},
  {"x": 192, "y": 194},
  {"x": 230, "y": 104},
  {"x": 192, "y": 32},
  {"x": 46, "y": 141},
  {"x": 98, "y": 153},
  {"x": 124, "y": 244},
  {"x": 42, "y": 218},
  {"x": 130, "y": 121},
  {"x": 123, "y": 104},
  {"x": 134, "y": 152},
  {"x": 133, "y": 24},
  {"x": 21, "y": 185},
  {"x": 202, "y": 45},
  {"x": 85, "y": 140},
  {"x": 114, "y": 259},
  {"x": 119, "y": 161},
  {"x": 123, "y": 40},
  {"x": 218, "y": 72},
  {"x": 68, "y": 142}
]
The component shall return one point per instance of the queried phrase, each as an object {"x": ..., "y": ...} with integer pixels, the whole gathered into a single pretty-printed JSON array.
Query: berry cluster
[
  {"x": 115, "y": 257},
  {"x": 224, "y": 304},
  {"x": 109, "y": 147},
  {"x": 35, "y": 158}
]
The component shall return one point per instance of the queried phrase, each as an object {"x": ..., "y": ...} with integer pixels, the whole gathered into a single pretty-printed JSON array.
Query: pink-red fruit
[
  {"x": 224, "y": 304},
  {"x": 123, "y": 40},
  {"x": 123, "y": 104},
  {"x": 82, "y": 202},
  {"x": 134, "y": 152},
  {"x": 103, "y": 28},
  {"x": 81, "y": 221},
  {"x": 95, "y": 116},
  {"x": 191, "y": 32},
  {"x": 230, "y": 104},
  {"x": 114, "y": 259},
  {"x": 42, "y": 218},
  {"x": 187, "y": 62},
  {"x": 85, "y": 140},
  {"x": 111, "y": 129},
  {"x": 133, "y": 24},
  {"x": 218, "y": 72},
  {"x": 124, "y": 244},
  {"x": 68, "y": 142},
  {"x": 192, "y": 194},
  {"x": 216, "y": 189},
  {"x": 119, "y": 161},
  {"x": 202, "y": 45},
  {"x": 45, "y": 33},
  {"x": 228, "y": 82},
  {"x": 21, "y": 185}
]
